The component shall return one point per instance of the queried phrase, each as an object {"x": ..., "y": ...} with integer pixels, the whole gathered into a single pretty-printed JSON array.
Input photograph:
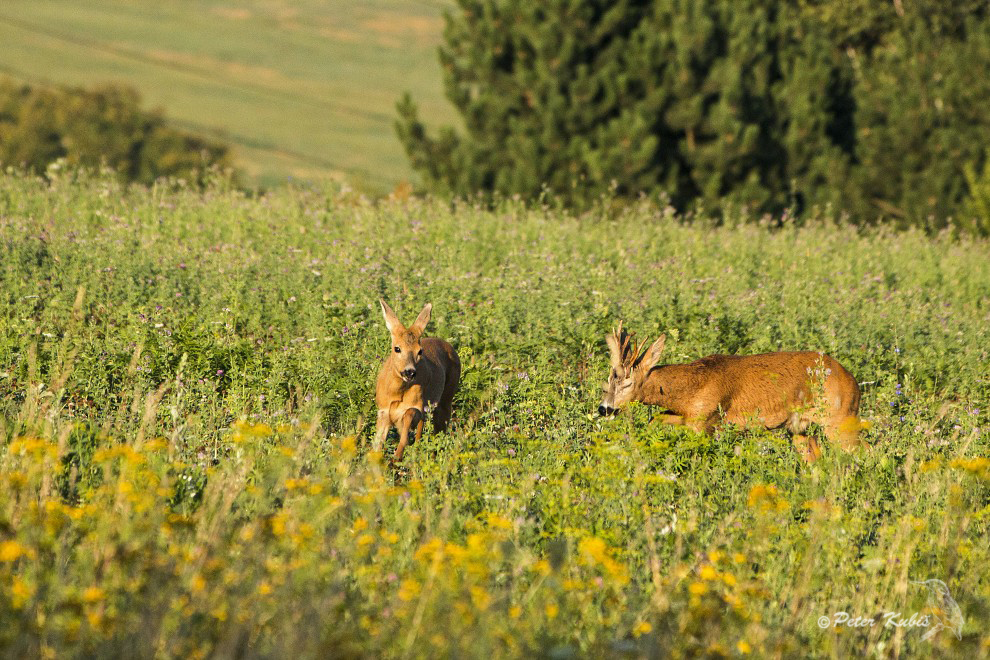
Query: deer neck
[
  {"x": 657, "y": 388},
  {"x": 393, "y": 381}
]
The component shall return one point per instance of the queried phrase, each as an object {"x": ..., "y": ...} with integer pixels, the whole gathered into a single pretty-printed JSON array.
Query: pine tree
[
  {"x": 708, "y": 100},
  {"x": 923, "y": 120}
]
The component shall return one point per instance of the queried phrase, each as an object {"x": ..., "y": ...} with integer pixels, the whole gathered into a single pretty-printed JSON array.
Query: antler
[
  {"x": 621, "y": 347},
  {"x": 616, "y": 346}
]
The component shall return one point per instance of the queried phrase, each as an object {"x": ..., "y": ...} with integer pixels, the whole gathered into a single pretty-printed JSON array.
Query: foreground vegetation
[{"x": 186, "y": 403}]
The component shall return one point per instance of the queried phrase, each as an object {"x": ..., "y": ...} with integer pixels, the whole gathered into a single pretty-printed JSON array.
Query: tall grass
[{"x": 186, "y": 402}]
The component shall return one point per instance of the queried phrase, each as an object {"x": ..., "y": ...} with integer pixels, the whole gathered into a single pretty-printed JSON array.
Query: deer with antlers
[
  {"x": 419, "y": 375},
  {"x": 773, "y": 390}
]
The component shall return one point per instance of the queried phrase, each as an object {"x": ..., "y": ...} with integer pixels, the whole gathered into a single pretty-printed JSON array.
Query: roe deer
[
  {"x": 418, "y": 375},
  {"x": 792, "y": 389}
]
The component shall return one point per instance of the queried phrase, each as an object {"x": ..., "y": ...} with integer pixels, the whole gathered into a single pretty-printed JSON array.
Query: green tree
[
  {"x": 101, "y": 127},
  {"x": 875, "y": 108},
  {"x": 922, "y": 120},
  {"x": 975, "y": 216},
  {"x": 864, "y": 25},
  {"x": 713, "y": 100}
]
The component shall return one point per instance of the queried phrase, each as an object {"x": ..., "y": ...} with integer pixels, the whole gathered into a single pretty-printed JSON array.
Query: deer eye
[
  {"x": 398, "y": 350},
  {"x": 420, "y": 354}
]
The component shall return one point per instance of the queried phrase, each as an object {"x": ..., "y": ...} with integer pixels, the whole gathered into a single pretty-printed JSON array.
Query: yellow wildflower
[
  {"x": 766, "y": 497},
  {"x": 408, "y": 589},
  {"x": 708, "y": 572},
  {"x": 12, "y": 551},
  {"x": 155, "y": 444},
  {"x": 426, "y": 551},
  {"x": 278, "y": 524},
  {"x": 95, "y": 617},
  {"x": 480, "y": 598},
  {"x": 93, "y": 595},
  {"x": 17, "y": 479},
  {"x": 20, "y": 592},
  {"x": 641, "y": 629},
  {"x": 496, "y": 521},
  {"x": 542, "y": 567},
  {"x": 698, "y": 588},
  {"x": 979, "y": 466}
]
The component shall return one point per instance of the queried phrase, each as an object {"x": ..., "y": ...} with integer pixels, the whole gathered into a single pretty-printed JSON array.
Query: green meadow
[
  {"x": 302, "y": 89},
  {"x": 186, "y": 404}
]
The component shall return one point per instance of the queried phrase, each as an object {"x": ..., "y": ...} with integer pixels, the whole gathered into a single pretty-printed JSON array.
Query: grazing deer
[
  {"x": 792, "y": 389},
  {"x": 419, "y": 375}
]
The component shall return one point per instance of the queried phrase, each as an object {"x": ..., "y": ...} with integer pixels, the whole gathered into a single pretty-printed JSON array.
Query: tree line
[
  {"x": 102, "y": 127},
  {"x": 875, "y": 108}
]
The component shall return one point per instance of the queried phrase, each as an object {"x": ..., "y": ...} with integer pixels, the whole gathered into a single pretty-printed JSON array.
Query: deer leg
[
  {"x": 441, "y": 417},
  {"x": 807, "y": 447},
  {"x": 702, "y": 423},
  {"x": 420, "y": 422},
  {"x": 381, "y": 430},
  {"x": 412, "y": 416}
]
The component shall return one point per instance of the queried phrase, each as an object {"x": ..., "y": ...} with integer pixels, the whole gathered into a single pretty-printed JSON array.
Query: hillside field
[
  {"x": 303, "y": 89},
  {"x": 186, "y": 403}
]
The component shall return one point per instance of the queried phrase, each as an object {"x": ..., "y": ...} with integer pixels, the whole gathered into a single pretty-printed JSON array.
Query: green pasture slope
[
  {"x": 186, "y": 402},
  {"x": 300, "y": 88}
]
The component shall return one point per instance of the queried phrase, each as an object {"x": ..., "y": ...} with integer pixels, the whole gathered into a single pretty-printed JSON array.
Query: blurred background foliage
[
  {"x": 106, "y": 126},
  {"x": 872, "y": 108}
]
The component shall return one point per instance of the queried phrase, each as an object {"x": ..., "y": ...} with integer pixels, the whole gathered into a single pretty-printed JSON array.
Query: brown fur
[
  {"x": 772, "y": 390},
  {"x": 403, "y": 402}
]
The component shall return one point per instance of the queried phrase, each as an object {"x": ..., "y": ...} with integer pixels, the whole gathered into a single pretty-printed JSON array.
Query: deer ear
[
  {"x": 419, "y": 325},
  {"x": 391, "y": 320},
  {"x": 652, "y": 354}
]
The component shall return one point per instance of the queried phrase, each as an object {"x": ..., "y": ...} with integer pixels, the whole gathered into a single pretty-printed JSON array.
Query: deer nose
[
  {"x": 604, "y": 411},
  {"x": 409, "y": 373}
]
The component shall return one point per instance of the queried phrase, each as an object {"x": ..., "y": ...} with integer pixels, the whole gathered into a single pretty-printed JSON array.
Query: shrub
[{"x": 101, "y": 127}]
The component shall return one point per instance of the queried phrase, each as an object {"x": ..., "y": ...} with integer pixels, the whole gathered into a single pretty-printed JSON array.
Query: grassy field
[
  {"x": 186, "y": 402},
  {"x": 302, "y": 89}
]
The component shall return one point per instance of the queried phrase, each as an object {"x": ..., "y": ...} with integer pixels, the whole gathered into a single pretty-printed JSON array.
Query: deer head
[
  {"x": 406, "y": 351},
  {"x": 630, "y": 365}
]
